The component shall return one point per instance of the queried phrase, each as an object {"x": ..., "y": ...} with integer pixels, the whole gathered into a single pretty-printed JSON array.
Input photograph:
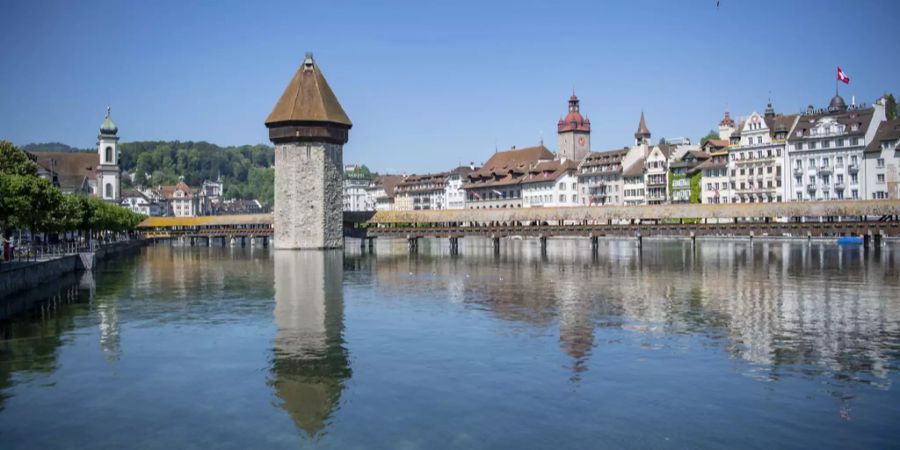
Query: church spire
[{"x": 643, "y": 133}]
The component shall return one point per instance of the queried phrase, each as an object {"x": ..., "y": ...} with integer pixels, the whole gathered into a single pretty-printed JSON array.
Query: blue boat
[{"x": 850, "y": 240}]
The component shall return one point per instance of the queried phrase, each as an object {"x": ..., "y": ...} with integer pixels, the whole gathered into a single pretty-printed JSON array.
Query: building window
[
  {"x": 109, "y": 189},
  {"x": 812, "y": 145},
  {"x": 109, "y": 155},
  {"x": 798, "y": 146},
  {"x": 879, "y": 163},
  {"x": 879, "y": 179}
]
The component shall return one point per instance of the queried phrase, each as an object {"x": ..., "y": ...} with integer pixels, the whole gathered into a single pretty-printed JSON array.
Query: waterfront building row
[{"x": 834, "y": 153}]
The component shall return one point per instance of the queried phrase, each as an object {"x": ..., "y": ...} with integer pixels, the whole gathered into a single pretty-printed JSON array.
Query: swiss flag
[{"x": 842, "y": 76}]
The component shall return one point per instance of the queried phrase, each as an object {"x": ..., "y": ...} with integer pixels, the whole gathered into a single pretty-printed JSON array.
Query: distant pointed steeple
[
  {"x": 643, "y": 133},
  {"x": 770, "y": 110}
]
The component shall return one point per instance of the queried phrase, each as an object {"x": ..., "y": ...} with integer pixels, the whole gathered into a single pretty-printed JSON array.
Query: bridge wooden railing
[{"x": 796, "y": 229}]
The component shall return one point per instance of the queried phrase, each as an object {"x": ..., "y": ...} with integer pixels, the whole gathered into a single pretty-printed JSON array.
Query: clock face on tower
[{"x": 581, "y": 140}]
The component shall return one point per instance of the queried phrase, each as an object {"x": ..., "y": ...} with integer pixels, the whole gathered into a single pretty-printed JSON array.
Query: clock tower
[
  {"x": 108, "y": 170},
  {"x": 574, "y": 133}
]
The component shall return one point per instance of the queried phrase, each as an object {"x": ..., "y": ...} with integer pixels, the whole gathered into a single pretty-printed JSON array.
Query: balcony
[
  {"x": 853, "y": 168},
  {"x": 825, "y": 170},
  {"x": 811, "y": 187},
  {"x": 839, "y": 186},
  {"x": 798, "y": 171}
]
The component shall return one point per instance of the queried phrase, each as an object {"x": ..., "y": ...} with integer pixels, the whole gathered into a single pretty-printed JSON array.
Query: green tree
[
  {"x": 14, "y": 161},
  {"x": 890, "y": 107},
  {"x": 27, "y": 202},
  {"x": 713, "y": 134}
]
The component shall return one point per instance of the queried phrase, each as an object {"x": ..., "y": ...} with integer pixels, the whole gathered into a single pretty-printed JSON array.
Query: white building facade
[
  {"x": 826, "y": 152},
  {"x": 882, "y": 162},
  {"x": 551, "y": 184},
  {"x": 756, "y": 157}
]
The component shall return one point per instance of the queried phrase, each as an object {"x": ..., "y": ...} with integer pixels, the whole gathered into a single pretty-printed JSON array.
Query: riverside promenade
[{"x": 20, "y": 276}]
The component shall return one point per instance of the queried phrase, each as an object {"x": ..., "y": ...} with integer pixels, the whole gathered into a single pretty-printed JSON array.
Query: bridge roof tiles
[
  {"x": 603, "y": 213},
  {"x": 236, "y": 219}
]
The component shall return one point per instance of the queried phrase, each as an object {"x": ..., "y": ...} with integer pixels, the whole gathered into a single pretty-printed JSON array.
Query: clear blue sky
[{"x": 430, "y": 85}]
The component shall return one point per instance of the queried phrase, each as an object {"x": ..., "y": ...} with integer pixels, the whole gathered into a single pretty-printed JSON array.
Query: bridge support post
[
  {"x": 595, "y": 243},
  {"x": 693, "y": 240},
  {"x": 207, "y": 240},
  {"x": 413, "y": 244},
  {"x": 454, "y": 245},
  {"x": 371, "y": 244},
  {"x": 192, "y": 241},
  {"x": 265, "y": 241},
  {"x": 751, "y": 237},
  {"x": 496, "y": 243},
  {"x": 867, "y": 239},
  {"x": 640, "y": 241},
  {"x": 252, "y": 241},
  {"x": 243, "y": 241},
  {"x": 878, "y": 239},
  {"x": 809, "y": 238},
  {"x": 543, "y": 240}
]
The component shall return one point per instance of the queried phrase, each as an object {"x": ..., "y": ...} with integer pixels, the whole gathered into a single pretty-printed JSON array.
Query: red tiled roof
[{"x": 507, "y": 167}]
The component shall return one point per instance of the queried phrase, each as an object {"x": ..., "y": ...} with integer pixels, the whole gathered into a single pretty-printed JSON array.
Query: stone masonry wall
[{"x": 308, "y": 189}]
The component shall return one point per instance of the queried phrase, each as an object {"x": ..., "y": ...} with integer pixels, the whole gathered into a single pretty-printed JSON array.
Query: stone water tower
[{"x": 309, "y": 128}]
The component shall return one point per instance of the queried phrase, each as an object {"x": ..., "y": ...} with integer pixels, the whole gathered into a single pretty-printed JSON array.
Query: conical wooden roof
[
  {"x": 308, "y": 98},
  {"x": 642, "y": 127}
]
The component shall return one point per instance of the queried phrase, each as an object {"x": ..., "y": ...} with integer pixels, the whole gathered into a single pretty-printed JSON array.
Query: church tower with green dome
[{"x": 108, "y": 173}]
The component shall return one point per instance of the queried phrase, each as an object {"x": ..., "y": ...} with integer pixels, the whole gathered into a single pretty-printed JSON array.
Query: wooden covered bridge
[{"x": 873, "y": 219}]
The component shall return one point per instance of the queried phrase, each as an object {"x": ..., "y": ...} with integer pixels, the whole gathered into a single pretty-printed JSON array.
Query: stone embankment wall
[{"x": 26, "y": 276}]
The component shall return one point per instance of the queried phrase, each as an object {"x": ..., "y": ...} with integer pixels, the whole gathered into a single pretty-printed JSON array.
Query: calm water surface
[{"x": 770, "y": 345}]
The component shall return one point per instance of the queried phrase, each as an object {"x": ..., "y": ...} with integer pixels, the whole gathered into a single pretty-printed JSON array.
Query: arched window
[
  {"x": 109, "y": 155},
  {"x": 109, "y": 189}
]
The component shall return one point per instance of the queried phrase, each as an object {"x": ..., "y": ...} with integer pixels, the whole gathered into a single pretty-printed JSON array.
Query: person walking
[{"x": 6, "y": 251}]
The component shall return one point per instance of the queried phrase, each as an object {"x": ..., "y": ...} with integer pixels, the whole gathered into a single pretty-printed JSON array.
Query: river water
[{"x": 762, "y": 345}]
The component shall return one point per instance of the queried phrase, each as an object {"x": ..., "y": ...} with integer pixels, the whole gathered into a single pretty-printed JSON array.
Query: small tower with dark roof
[
  {"x": 726, "y": 127},
  {"x": 574, "y": 132},
  {"x": 108, "y": 172},
  {"x": 642, "y": 135},
  {"x": 309, "y": 129}
]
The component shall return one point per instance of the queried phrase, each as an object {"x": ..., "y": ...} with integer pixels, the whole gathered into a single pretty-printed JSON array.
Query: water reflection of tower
[
  {"x": 576, "y": 327},
  {"x": 310, "y": 363},
  {"x": 107, "y": 316}
]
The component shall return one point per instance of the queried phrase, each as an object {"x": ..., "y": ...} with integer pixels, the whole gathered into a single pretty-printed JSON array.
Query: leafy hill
[
  {"x": 50, "y": 147},
  {"x": 246, "y": 170}
]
